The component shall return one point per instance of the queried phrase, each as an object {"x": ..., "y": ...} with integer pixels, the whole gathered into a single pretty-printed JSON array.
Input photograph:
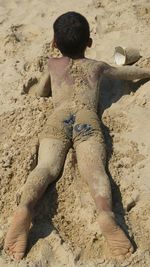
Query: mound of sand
[{"x": 64, "y": 231}]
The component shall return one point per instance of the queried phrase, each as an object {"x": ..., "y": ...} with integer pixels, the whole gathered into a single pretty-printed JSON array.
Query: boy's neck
[{"x": 79, "y": 56}]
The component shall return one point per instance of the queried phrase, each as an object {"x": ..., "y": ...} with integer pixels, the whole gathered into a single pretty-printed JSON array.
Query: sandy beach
[{"x": 65, "y": 231}]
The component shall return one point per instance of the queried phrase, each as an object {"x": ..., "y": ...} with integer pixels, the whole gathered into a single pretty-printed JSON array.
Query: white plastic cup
[{"x": 126, "y": 56}]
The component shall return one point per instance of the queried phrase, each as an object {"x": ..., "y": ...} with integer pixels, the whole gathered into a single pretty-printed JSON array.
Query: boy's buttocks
[{"x": 73, "y": 127}]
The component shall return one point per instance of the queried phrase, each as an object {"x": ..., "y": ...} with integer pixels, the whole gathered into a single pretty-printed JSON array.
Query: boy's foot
[
  {"x": 118, "y": 242},
  {"x": 16, "y": 238}
]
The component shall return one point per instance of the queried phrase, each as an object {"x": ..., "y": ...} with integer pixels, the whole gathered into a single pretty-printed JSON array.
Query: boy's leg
[
  {"x": 91, "y": 164},
  {"x": 52, "y": 154}
]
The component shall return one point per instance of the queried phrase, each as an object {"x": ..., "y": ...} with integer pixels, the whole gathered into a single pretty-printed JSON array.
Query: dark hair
[{"x": 71, "y": 33}]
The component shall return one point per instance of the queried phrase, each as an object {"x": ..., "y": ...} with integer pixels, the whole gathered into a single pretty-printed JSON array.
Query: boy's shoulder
[
  {"x": 63, "y": 62},
  {"x": 67, "y": 59}
]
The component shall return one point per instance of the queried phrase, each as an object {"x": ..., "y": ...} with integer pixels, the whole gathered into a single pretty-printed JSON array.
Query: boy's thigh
[
  {"x": 52, "y": 153},
  {"x": 91, "y": 154}
]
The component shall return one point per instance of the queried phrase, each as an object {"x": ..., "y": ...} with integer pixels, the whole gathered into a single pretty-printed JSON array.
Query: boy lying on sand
[{"x": 74, "y": 81}]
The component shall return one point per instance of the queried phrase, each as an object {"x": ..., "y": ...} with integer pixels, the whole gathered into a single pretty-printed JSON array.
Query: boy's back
[{"x": 74, "y": 83}]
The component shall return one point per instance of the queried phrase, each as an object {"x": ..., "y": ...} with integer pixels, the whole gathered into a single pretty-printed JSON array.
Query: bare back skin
[{"x": 74, "y": 85}]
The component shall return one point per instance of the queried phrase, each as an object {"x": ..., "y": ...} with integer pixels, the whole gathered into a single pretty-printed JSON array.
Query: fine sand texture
[{"x": 65, "y": 231}]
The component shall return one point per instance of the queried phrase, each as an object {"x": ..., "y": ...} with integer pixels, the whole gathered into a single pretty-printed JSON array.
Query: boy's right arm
[
  {"x": 124, "y": 72},
  {"x": 43, "y": 89}
]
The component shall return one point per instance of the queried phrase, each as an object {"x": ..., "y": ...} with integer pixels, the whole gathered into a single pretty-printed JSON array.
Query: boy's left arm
[
  {"x": 124, "y": 72},
  {"x": 43, "y": 88}
]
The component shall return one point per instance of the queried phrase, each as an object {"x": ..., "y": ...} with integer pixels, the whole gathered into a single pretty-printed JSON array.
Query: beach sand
[{"x": 64, "y": 231}]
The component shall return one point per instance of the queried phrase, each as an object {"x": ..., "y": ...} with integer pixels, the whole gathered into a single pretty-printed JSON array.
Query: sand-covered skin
[{"x": 65, "y": 231}]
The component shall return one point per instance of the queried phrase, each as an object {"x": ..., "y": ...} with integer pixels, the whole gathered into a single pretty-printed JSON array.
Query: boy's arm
[
  {"x": 44, "y": 86},
  {"x": 125, "y": 72}
]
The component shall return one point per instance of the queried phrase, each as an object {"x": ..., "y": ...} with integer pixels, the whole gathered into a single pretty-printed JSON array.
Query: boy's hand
[{"x": 31, "y": 82}]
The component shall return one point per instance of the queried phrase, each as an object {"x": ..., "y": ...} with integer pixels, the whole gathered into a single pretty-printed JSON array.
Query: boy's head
[{"x": 71, "y": 34}]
